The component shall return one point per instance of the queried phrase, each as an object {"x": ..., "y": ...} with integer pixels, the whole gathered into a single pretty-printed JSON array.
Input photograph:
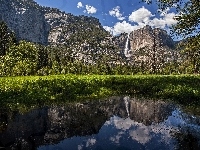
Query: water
[
  {"x": 126, "y": 50},
  {"x": 121, "y": 123}
]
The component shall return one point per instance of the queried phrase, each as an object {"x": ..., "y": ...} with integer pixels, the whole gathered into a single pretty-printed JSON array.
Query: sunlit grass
[{"x": 40, "y": 90}]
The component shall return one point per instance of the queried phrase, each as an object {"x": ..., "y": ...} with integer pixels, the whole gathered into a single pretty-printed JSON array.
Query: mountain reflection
[
  {"x": 114, "y": 123},
  {"x": 148, "y": 111}
]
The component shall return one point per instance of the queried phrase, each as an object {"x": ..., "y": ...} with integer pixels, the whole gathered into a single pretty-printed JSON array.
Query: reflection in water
[
  {"x": 148, "y": 111},
  {"x": 115, "y": 123},
  {"x": 126, "y": 102}
]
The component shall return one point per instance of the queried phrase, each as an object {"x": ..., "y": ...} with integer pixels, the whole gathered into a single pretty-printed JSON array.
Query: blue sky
[{"x": 117, "y": 16}]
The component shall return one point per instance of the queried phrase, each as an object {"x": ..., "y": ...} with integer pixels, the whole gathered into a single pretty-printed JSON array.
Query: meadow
[{"x": 41, "y": 90}]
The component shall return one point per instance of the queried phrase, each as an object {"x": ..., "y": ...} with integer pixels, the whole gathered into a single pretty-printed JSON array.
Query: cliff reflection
[
  {"x": 106, "y": 124},
  {"x": 148, "y": 111}
]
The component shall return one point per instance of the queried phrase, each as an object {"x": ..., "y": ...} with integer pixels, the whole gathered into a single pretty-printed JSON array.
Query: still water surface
[{"x": 120, "y": 123}]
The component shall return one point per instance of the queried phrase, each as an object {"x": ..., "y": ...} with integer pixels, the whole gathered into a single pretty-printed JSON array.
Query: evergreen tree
[{"x": 7, "y": 38}]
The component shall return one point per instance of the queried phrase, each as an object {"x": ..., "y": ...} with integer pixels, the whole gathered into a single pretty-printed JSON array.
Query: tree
[
  {"x": 188, "y": 18},
  {"x": 24, "y": 58},
  {"x": 7, "y": 38},
  {"x": 191, "y": 52},
  {"x": 188, "y": 27},
  {"x": 42, "y": 56},
  {"x": 24, "y": 50}
]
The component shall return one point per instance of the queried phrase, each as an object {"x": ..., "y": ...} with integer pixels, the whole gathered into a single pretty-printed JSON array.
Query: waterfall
[
  {"x": 126, "y": 50},
  {"x": 126, "y": 101}
]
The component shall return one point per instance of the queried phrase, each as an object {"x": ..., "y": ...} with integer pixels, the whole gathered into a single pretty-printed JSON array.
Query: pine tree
[{"x": 7, "y": 38}]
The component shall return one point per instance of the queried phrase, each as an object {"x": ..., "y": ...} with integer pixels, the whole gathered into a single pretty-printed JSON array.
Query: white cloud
[
  {"x": 109, "y": 29},
  {"x": 141, "y": 18},
  {"x": 169, "y": 19},
  {"x": 116, "y": 138},
  {"x": 142, "y": 15},
  {"x": 158, "y": 23},
  {"x": 141, "y": 134},
  {"x": 79, "y": 5},
  {"x": 90, "y": 142},
  {"x": 116, "y": 13},
  {"x": 80, "y": 147},
  {"x": 166, "y": 19},
  {"x": 123, "y": 124},
  {"x": 121, "y": 27},
  {"x": 90, "y": 9}
]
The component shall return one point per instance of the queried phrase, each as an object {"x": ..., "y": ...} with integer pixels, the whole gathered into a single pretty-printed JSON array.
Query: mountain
[
  {"x": 46, "y": 25},
  {"x": 81, "y": 36},
  {"x": 85, "y": 39}
]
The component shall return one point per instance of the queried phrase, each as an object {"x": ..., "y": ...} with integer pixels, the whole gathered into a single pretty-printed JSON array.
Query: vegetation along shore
[{"x": 40, "y": 90}]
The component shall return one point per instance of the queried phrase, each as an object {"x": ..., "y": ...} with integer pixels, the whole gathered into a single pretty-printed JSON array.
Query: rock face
[
  {"x": 38, "y": 24},
  {"x": 147, "y": 48},
  {"x": 145, "y": 37},
  {"x": 26, "y": 19},
  {"x": 141, "y": 45}
]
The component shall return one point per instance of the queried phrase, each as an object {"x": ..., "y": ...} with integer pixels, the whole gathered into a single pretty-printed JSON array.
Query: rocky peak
[{"x": 146, "y": 37}]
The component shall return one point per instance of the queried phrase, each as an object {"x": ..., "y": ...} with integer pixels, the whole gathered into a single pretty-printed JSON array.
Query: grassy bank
[{"x": 34, "y": 90}]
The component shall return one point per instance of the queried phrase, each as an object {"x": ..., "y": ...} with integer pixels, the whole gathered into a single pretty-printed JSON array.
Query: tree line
[{"x": 22, "y": 58}]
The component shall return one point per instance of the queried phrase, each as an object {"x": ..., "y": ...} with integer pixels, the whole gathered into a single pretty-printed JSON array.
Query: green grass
[{"x": 40, "y": 90}]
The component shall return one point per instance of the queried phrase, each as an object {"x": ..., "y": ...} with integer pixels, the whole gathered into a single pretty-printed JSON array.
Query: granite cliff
[
  {"x": 147, "y": 36},
  {"x": 26, "y": 19},
  {"x": 148, "y": 48},
  {"x": 43, "y": 25}
]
